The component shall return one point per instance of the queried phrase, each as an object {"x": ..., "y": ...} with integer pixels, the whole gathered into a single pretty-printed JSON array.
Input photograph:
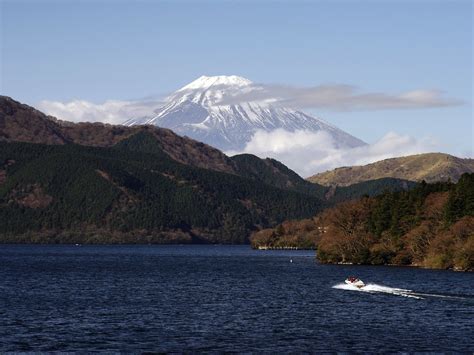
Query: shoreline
[{"x": 236, "y": 245}]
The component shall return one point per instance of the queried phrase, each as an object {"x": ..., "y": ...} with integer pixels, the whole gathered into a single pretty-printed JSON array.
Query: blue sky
[{"x": 99, "y": 50}]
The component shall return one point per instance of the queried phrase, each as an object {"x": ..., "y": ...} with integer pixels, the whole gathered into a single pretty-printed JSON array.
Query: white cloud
[
  {"x": 341, "y": 97},
  {"x": 308, "y": 153},
  {"x": 111, "y": 111}
]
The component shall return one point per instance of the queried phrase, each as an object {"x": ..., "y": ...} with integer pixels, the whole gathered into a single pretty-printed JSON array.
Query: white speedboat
[{"x": 354, "y": 281}]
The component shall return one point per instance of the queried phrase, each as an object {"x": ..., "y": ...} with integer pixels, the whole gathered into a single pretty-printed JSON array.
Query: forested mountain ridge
[
  {"x": 132, "y": 192},
  {"x": 97, "y": 183}
]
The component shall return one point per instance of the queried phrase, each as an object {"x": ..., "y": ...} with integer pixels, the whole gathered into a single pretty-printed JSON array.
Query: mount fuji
[{"x": 208, "y": 110}]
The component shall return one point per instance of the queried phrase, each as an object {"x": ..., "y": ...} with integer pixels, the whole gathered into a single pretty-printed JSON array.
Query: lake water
[{"x": 223, "y": 298}]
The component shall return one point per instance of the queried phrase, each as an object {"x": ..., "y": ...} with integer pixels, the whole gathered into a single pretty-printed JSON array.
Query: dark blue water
[{"x": 221, "y": 298}]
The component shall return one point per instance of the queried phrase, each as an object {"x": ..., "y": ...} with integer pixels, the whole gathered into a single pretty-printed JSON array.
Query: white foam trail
[{"x": 374, "y": 288}]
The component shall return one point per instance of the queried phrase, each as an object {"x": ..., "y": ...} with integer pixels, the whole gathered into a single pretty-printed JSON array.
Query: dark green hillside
[
  {"x": 272, "y": 172},
  {"x": 369, "y": 188},
  {"x": 132, "y": 192}
]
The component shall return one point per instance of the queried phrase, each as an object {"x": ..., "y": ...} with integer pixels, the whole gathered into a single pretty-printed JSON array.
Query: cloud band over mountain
[
  {"x": 341, "y": 97},
  {"x": 337, "y": 97}
]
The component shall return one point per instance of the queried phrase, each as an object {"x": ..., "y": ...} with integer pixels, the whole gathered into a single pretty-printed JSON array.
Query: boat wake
[{"x": 374, "y": 288}]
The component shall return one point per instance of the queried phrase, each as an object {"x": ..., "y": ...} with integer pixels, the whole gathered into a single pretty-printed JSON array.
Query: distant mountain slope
[
  {"x": 431, "y": 167},
  {"x": 207, "y": 110}
]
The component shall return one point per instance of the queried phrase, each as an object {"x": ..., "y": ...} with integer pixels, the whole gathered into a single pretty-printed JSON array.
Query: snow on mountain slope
[{"x": 203, "y": 110}]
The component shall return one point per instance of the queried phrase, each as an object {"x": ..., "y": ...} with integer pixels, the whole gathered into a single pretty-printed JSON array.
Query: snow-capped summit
[
  {"x": 212, "y": 91},
  {"x": 205, "y": 82},
  {"x": 225, "y": 112}
]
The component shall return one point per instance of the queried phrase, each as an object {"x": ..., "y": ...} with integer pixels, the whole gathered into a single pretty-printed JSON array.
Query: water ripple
[{"x": 223, "y": 299}]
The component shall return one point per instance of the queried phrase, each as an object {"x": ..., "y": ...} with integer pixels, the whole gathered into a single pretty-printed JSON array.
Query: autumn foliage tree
[{"x": 431, "y": 226}]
